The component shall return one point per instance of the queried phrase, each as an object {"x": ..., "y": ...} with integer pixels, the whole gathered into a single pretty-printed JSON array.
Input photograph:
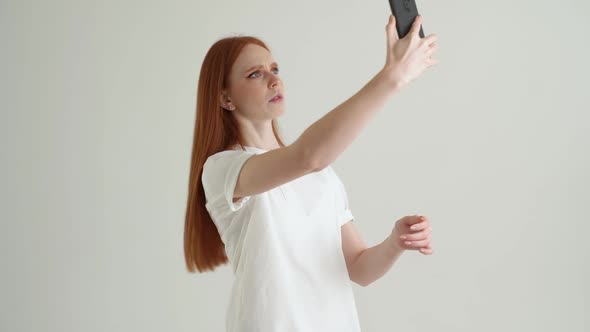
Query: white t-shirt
[{"x": 285, "y": 249}]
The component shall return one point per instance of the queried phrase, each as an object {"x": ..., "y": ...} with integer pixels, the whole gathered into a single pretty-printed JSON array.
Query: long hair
[{"x": 216, "y": 130}]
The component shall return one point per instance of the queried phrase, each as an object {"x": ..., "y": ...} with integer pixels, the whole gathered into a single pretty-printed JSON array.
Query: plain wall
[{"x": 98, "y": 108}]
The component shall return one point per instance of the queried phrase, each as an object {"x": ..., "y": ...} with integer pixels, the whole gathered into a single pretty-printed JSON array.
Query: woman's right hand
[{"x": 408, "y": 57}]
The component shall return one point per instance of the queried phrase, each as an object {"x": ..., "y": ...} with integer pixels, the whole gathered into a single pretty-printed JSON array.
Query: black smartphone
[{"x": 405, "y": 11}]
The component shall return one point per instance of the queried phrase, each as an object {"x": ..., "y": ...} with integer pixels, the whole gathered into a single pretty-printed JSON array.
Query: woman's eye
[{"x": 276, "y": 69}]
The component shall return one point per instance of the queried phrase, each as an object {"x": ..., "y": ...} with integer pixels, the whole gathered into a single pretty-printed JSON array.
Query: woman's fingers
[
  {"x": 418, "y": 243},
  {"x": 431, "y": 49},
  {"x": 428, "y": 40},
  {"x": 418, "y": 235},
  {"x": 392, "y": 35},
  {"x": 430, "y": 52},
  {"x": 426, "y": 251},
  {"x": 415, "y": 30},
  {"x": 420, "y": 226}
]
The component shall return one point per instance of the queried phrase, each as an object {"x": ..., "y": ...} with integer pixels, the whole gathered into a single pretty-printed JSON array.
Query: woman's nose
[{"x": 274, "y": 80}]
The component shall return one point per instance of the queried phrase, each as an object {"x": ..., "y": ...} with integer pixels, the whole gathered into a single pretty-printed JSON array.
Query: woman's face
[{"x": 253, "y": 82}]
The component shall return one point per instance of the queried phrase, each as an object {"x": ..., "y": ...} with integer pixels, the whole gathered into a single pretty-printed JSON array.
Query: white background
[{"x": 97, "y": 113}]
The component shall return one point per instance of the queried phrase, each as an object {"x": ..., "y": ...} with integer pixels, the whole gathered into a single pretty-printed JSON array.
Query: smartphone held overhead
[{"x": 405, "y": 12}]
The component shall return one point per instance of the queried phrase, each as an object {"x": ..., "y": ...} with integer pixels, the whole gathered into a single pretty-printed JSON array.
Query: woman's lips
[{"x": 276, "y": 99}]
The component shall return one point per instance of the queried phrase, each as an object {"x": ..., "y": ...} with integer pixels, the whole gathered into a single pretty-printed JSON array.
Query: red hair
[{"x": 215, "y": 130}]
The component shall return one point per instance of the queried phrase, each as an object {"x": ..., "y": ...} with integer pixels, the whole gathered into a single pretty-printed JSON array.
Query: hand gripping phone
[{"x": 405, "y": 12}]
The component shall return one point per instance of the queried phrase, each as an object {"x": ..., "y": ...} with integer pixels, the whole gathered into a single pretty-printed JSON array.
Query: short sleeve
[
  {"x": 342, "y": 207},
  {"x": 220, "y": 176}
]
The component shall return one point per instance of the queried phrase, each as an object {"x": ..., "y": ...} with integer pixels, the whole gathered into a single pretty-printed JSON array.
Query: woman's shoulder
[
  {"x": 230, "y": 150},
  {"x": 228, "y": 155}
]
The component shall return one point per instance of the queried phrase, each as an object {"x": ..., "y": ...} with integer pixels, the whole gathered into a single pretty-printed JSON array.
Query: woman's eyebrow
[{"x": 258, "y": 66}]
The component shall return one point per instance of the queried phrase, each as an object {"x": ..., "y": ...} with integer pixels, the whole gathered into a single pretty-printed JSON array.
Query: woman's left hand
[{"x": 413, "y": 233}]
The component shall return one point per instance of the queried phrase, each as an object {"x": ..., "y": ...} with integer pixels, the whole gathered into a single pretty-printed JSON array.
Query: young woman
[{"x": 279, "y": 213}]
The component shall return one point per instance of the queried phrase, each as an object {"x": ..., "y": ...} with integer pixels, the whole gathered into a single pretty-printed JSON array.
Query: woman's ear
[{"x": 225, "y": 101}]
